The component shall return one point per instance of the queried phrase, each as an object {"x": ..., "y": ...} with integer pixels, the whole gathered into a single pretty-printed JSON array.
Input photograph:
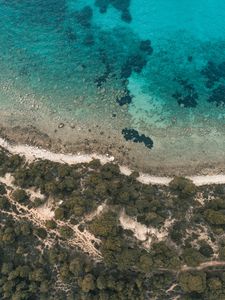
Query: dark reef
[
  {"x": 188, "y": 96},
  {"x": 122, "y": 6},
  {"x": 70, "y": 34},
  {"x": 108, "y": 69},
  {"x": 89, "y": 40},
  {"x": 134, "y": 136},
  {"x": 146, "y": 47},
  {"x": 134, "y": 63},
  {"x": 84, "y": 16},
  {"x": 127, "y": 99},
  {"x": 218, "y": 95},
  {"x": 213, "y": 73}
]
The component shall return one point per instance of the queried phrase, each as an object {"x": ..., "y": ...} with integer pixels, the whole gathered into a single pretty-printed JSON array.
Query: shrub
[
  {"x": 183, "y": 186},
  {"x": 193, "y": 282},
  {"x": 20, "y": 196}
]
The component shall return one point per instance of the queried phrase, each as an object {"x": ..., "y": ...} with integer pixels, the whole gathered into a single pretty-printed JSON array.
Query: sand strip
[{"x": 32, "y": 153}]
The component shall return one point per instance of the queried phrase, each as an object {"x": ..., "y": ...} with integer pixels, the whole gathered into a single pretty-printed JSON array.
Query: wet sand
[{"x": 83, "y": 144}]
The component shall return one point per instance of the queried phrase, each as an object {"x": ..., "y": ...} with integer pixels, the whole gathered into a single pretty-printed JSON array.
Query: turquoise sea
[{"x": 151, "y": 71}]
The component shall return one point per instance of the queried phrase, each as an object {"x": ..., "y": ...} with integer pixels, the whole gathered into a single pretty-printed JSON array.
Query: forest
[{"x": 86, "y": 231}]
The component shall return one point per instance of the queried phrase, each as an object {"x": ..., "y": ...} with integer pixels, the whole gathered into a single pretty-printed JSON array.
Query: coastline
[
  {"x": 32, "y": 153},
  {"x": 79, "y": 139}
]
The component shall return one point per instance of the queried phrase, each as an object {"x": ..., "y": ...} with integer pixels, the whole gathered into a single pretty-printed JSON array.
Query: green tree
[
  {"x": 2, "y": 189},
  {"x": 88, "y": 283},
  {"x": 214, "y": 217},
  {"x": 183, "y": 186},
  {"x": 20, "y": 196},
  {"x": 59, "y": 213},
  {"x": 105, "y": 225},
  {"x": 145, "y": 263},
  {"x": 4, "y": 203},
  {"x": 192, "y": 257},
  {"x": 76, "y": 266},
  {"x": 193, "y": 282}
]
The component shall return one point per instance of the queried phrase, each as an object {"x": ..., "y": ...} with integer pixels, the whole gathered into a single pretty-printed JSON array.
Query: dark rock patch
[
  {"x": 146, "y": 46},
  {"x": 134, "y": 136},
  {"x": 103, "y": 78},
  {"x": 84, "y": 16},
  {"x": 121, "y": 5},
  {"x": 127, "y": 99},
  {"x": 190, "y": 58},
  {"x": 213, "y": 73},
  {"x": 126, "y": 16},
  {"x": 134, "y": 63},
  {"x": 70, "y": 34},
  {"x": 102, "y": 5},
  {"x": 218, "y": 95},
  {"x": 108, "y": 69},
  {"x": 188, "y": 96},
  {"x": 89, "y": 40}
]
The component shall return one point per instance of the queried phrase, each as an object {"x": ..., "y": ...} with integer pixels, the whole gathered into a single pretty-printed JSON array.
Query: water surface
[{"x": 154, "y": 67}]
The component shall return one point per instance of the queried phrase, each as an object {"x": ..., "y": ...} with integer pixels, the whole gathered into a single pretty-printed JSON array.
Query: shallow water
[{"x": 157, "y": 67}]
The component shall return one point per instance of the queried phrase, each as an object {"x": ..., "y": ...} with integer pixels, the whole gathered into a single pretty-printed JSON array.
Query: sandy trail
[{"x": 32, "y": 153}]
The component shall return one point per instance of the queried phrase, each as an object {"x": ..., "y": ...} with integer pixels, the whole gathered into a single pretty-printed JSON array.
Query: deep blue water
[{"x": 157, "y": 60}]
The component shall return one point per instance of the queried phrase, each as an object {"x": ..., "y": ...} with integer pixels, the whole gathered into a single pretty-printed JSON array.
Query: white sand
[
  {"x": 31, "y": 153},
  {"x": 208, "y": 179},
  {"x": 146, "y": 235}
]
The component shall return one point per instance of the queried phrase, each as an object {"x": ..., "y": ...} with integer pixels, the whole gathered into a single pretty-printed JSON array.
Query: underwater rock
[
  {"x": 127, "y": 99},
  {"x": 84, "y": 16},
  {"x": 89, "y": 40},
  {"x": 188, "y": 97},
  {"x": 190, "y": 58},
  {"x": 103, "y": 5},
  {"x": 126, "y": 16},
  {"x": 61, "y": 125},
  {"x": 134, "y": 136},
  {"x": 121, "y": 5},
  {"x": 213, "y": 72},
  {"x": 146, "y": 46},
  {"x": 70, "y": 34},
  {"x": 103, "y": 78},
  {"x": 218, "y": 95},
  {"x": 134, "y": 63}
]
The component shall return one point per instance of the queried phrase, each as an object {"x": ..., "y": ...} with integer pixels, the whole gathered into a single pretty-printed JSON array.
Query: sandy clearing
[
  {"x": 146, "y": 235},
  {"x": 32, "y": 153}
]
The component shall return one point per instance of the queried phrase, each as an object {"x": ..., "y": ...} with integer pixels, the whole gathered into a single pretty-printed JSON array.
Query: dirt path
[{"x": 81, "y": 239}]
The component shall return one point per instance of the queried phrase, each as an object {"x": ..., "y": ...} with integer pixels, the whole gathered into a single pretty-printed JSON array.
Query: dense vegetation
[{"x": 77, "y": 253}]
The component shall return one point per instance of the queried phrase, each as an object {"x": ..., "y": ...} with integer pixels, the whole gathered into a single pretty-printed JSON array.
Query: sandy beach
[{"x": 32, "y": 153}]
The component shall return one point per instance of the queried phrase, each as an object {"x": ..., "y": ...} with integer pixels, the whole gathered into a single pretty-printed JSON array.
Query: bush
[
  {"x": 192, "y": 257},
  {"x": 105, "y": 225},
  {"x": 59, "y": 213},
  {"x": 183, "y": 186},
  {"x": 20, "y": 195},
  {"x": 193, "y": 282},
  {"x": 2, "y": 189},
  {"x": 214, "y": 217},
  {"x": 4, "y": 202}
]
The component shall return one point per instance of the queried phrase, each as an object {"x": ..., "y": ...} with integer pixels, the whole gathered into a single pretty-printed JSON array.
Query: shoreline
[
  {"x": 80, "y": 140},
  {"x": 32, "y": 153}
]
